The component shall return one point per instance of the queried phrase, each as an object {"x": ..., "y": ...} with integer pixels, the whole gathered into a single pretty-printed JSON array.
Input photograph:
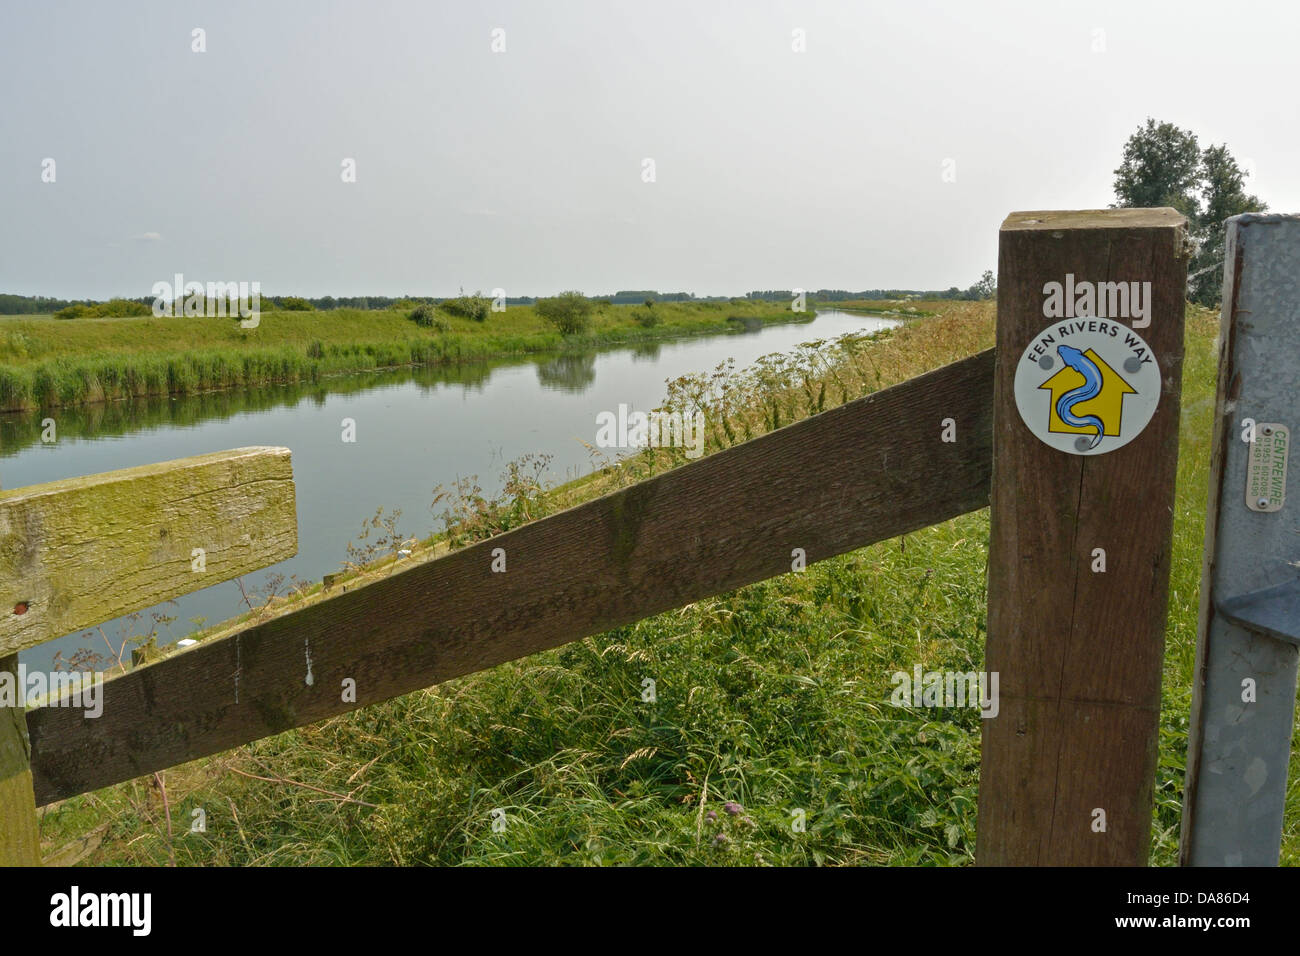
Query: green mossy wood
[
  {"x": 79, "y": 552},
  {"x": 19, "y": 839}
]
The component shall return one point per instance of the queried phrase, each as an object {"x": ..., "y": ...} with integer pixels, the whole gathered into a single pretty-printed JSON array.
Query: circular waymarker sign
[{"x": 1087, "y": 386}]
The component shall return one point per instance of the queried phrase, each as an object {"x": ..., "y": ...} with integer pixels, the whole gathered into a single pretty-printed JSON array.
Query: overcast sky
[{"x": 524, "y": 169}]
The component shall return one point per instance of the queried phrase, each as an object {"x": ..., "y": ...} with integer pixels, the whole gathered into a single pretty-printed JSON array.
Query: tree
[
  {"x": 1224, "y": 194},
  {"x": 986, "y": 288},
  {"x": 1160, "y": 168},
  {"x": 1165, "y": 166},
  {"x": 570, "y": 312}
]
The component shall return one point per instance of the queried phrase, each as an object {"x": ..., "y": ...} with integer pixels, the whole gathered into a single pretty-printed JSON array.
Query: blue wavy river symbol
[{"x": 1090, "y": 388}]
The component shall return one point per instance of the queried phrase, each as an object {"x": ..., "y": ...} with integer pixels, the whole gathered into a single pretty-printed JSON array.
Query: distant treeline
[
  {"x": 975, "y": 292},
  {"x": 635, "y": 297},
  {"x": 34, "y": 304},
  {"x": 40, "y": 304},
  {"x": 11, "y": 304}
]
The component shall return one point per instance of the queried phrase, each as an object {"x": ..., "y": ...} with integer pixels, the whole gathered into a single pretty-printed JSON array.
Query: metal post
[{"x": 1243, "y": 699}]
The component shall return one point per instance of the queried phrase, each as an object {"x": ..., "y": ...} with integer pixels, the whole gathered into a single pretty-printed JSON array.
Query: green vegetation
[
  {"x": 1164, "y": 165},
  {"x": 11, "y": 304},
  {"x": 633, "y": 296},
  {"x": 985, "y": 288},
  {"x": 770, "y": 699},
  {"x": 476, "y": 306},
  {"x": 44, "y": 364},
  {"x": 647, "y": 318},
  {"x": 894, "y": 308},
  {"x": 112, "y": 309},
  {"x": 569, "y": 312},
  {"x": 426, "y": 317}
]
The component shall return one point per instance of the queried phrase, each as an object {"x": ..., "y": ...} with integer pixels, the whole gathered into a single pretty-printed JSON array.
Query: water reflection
[{"x": 570, "y": 372}]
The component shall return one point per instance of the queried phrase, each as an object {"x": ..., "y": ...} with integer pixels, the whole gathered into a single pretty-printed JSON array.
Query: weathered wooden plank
[
  {"x": 73, "y": 852},
  {"x": 1078, "y": 650},
  {"x": 20, "y": 843},
  {"x": 79, "y": 552},
  {"x": 868, "y": 470}
]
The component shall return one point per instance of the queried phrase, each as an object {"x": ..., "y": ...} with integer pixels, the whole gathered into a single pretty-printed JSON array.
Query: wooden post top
[{"x": 1060, "y": 219}]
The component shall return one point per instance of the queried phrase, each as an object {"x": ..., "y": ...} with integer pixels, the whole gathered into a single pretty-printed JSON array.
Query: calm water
[{"x": 415, "y": 429}]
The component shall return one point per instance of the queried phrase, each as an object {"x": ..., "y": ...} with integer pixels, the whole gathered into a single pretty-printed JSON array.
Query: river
[{"x": 414, "y": 429}]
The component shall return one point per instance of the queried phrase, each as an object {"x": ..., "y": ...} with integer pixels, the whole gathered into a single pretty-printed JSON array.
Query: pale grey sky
[{"x": 523, "y": 169}]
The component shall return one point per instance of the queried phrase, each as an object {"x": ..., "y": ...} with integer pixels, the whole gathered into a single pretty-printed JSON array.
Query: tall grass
[{"x": 44, "y": 364}]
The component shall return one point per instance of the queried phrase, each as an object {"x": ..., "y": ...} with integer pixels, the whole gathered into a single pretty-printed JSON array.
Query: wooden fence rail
[
  {"x": 79, "y": 552},
  {"x": 868, "y": 470}
]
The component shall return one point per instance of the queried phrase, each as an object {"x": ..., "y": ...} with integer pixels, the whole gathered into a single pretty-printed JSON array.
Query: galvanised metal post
[{"x": 1243, "y": 699}]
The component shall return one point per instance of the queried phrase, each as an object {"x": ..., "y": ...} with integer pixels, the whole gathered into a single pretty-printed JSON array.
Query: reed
[{"x": 47, "y": 364}]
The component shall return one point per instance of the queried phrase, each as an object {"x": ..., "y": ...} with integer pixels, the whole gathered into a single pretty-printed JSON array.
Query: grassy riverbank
[
  {"x": 774, "y": 697},
  {"x": 46, "y": 363},
  {"x": 897, "y": 308}
]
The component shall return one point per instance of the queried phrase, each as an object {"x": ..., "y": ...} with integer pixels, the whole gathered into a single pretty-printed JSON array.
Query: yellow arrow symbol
[{"x": 1108, "y": 405}]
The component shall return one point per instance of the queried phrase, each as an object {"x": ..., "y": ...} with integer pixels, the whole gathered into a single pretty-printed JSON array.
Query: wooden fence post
[
  {"x": 1085, "y": 446},
  {"x": 19, "y": 842}
]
